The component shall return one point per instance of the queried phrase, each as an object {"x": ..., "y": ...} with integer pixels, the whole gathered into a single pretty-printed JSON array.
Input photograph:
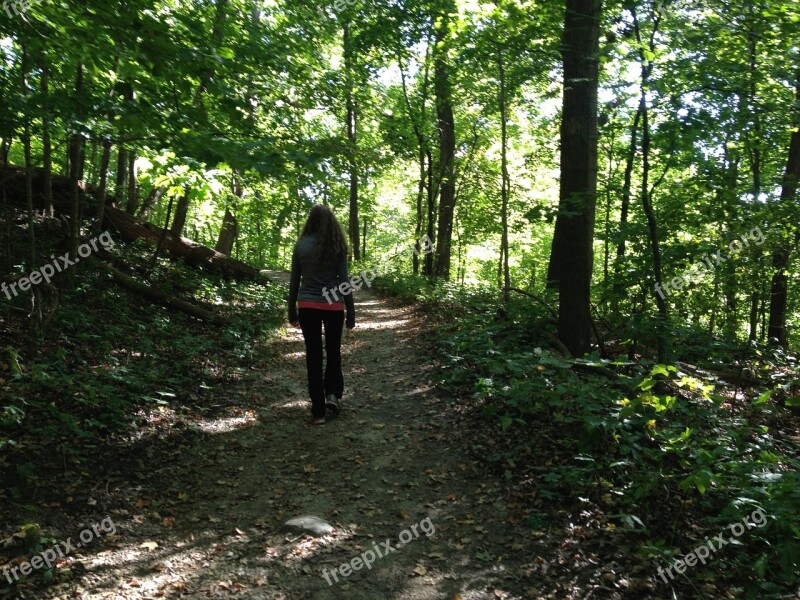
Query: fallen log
[
  {"x": 159, "y": 297},
  {"x": 193, "y": 253},
  {"x": 130, "y": 228}
]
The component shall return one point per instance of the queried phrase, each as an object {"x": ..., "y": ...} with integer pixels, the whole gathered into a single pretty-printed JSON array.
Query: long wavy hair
[{"x": 331, "y": 243}]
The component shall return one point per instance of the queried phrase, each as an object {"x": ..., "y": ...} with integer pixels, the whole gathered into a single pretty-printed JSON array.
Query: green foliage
[
  {"x": 660, "y": 447},
  {"x": 105, "y": 361}
]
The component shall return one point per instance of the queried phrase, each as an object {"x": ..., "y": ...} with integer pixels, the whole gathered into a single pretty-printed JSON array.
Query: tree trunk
[
  {"x": 431, "y": 208},
  {"x": 505, "y": 184},
  {"x": 133, "y": 199},
  {"x": 662, "y": 326},
  {"x": 783, "y": 249},
  {"x": 164, "y": 231},
  {"x": 447, "y": 141},
  {"x": 4, "y": 213},
  {"x": 571, "y": 256},
  {"x": 230, "y": 226},
  {"x": 352, "y": 147},
  {"x": 5, "y": 148},
  {"x": 76, "y": 144},
  {"x": 105, "y": 162},
  {"x": 422, "y": 147},
  {"x": 47, "y": 146},
  {"x": 122, "y": 169},
  {"x": 91, "y": 177},
  {"x": 228, "y": 234},
  {"x": 153, "y": 198},
  {"x": 419, "y": 213},
  {"x": 364, "y": 239},
  {"x": 753, "y": 321},
  {"x": 730, "y": 278},
  {"x": 181, "y": 211},
  {"x": 28, "y": 165},
  {"x": 755, "y": 155},
  {"x": 626, "y": 199}
]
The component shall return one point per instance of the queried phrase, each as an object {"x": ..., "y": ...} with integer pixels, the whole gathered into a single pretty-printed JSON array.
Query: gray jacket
[{"x": 310, "y": 278}]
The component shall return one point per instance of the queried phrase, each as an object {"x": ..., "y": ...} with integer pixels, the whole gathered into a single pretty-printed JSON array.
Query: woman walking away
[{"x": 319, "y": 265}]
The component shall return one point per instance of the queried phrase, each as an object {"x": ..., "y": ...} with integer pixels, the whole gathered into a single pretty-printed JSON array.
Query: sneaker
[
  {"x": 333, "y": 404},
  {"x": 319, "y": 421}
]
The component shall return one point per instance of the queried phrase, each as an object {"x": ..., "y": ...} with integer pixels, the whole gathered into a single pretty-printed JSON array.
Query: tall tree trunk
[
  {"x": 447, "y": 141},
  {"x": 607, "y": 216},
  {"x": 5, "y": 148},
  {"x": 730, "y": 278},
  {"x": 153, "y": 198},
  {"x": 782, "y": 252},
  {"x": 422, "y": 146},
  {"x": 105, "y": 162},
  {"x": 505, "y": 184},
  {"x": 162, "y": 237},
  {"x": 47, "y": 146},
  {"x": 352, "y": 146},
  {"x": 662, "y": 326},
  {"x": 7, "y": 221},
  {"x": 364, "y": 239},
  {"x": 626, "y": 199},
  {"x": 182, "y": 210},
  {"x": 228, "y": 234},
  {"x": 755, "y": 155},
  {"x": 419, "y": 214},
  {"x": 122, "y": 170},
  {"x": 230, "y": 226},
  {"x": 571, "y": 256},
  {"x": 28, "y": 164},
  {"x": 753, "y": 321},
  {"x": 91, "y": 177},
  {"x": 431, "y": 209},
  {"x": 712, "y": 319},
  {"x": 133, "y": 199},
  {"x": 76, "y": 146}
]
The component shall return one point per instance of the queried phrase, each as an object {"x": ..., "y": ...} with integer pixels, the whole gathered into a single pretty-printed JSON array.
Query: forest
[{"x": 574, "y": 369}]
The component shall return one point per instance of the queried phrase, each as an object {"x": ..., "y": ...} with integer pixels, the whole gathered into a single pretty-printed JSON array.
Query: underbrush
[
  {"x": 108, "y": 361},
  {"x": 662, "y": 456}
]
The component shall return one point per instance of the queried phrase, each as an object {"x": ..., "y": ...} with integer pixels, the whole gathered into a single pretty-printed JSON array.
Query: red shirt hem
[{"x": 320, "y": 305}]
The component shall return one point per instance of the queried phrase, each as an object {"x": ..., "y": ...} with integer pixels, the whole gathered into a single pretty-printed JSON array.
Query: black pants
[{"x": 319, "y": 386}]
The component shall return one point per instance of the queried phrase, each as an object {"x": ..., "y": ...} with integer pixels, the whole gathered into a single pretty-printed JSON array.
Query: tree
[
  {"x": 571, "y": 256},
  {"x": 447, "y": 139},
  {"x": 780, "y": 257}
]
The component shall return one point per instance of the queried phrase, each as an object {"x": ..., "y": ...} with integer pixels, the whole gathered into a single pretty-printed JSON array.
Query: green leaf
[{"x": 763, "y": 397}]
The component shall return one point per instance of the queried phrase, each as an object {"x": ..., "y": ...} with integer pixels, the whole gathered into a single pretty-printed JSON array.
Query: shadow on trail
[{"x": 213, "y": 500}]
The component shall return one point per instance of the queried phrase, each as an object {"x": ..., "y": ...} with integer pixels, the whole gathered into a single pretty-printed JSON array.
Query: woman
[{"x": 319, "y": 266}]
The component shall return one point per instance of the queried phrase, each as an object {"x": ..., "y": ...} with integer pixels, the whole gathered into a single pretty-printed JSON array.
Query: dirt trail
[{"x": 390, "y": 468}]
